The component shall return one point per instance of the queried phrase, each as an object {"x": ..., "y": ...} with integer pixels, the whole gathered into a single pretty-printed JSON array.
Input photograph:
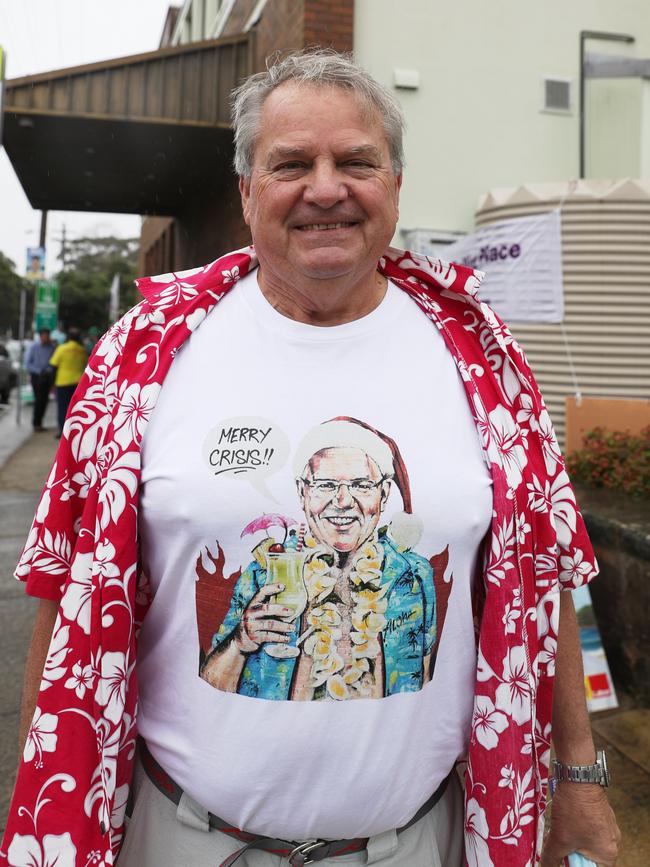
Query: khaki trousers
[{"x": 161, "y": 834}]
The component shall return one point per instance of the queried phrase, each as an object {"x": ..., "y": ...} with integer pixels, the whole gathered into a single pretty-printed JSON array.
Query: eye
[
  {"x": 325, "y": 487},
  {"x": 293, "y": 165},
  {"x": 362, "y": 486}
]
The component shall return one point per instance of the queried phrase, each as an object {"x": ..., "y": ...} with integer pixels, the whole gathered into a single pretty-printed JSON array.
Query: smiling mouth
[
  {"x": 340, "y": 521},
  {"x": 324, "y": 227}
]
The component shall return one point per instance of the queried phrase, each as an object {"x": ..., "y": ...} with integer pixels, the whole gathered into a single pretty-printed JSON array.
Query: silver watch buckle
[{"x": 299, "y": 856}]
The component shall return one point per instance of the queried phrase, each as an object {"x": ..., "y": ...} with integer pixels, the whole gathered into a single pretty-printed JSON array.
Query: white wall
[
  {"x": 645, "y": 129},
  {"x": 475, "y": 121}
]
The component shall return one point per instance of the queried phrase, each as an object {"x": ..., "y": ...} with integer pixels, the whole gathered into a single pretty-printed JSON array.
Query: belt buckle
[{"x": 303, "y": 850}]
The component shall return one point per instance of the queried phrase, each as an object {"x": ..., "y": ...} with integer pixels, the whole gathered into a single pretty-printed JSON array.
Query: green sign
[{"x": 46, "y": 314}]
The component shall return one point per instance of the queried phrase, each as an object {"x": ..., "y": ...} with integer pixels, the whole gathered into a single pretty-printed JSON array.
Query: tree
[
  {"x": 89, "y": 265},
  {"x": 11, "y": 285}
]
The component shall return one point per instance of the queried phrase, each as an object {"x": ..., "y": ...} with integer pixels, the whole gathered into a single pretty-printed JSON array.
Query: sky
[{"x": 42, "y": 35}]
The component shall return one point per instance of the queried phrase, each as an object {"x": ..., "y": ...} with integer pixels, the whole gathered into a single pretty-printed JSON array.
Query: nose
[
  {"x": 325, "y": 186},
  {"x": 343, "y": 498}
]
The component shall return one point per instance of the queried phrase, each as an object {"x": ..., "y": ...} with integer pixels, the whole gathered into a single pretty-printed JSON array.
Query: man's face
[
  {"x": 322, "y": 200},
  {"x": 45, "y": 336},
  {"x": 343, "y": 494}
]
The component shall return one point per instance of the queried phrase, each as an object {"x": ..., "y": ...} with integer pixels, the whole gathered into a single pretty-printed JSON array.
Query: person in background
[
  {"x": 91, "y": 338},
  {"x": 37, "y": 364},
  {"x": 69, "y": 359}
]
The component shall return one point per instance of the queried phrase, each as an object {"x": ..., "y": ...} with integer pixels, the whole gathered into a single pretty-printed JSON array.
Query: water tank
[{"x": 603, "y": 344}]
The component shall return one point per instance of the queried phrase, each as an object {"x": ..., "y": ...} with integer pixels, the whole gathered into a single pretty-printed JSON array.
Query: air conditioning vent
[{"x": 557, "y": 94}]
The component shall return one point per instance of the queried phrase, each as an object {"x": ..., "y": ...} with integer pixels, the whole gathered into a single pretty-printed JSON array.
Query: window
[{"x": 557, "y": 95}]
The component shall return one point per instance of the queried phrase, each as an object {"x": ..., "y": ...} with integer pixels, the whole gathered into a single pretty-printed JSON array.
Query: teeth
[
  {"x": 341, "y": 522},
  {"x": 320, "y": 226}
]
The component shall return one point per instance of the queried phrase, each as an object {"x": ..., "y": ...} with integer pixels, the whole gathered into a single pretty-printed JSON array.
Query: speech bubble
[{"x": 247, "y": 447}]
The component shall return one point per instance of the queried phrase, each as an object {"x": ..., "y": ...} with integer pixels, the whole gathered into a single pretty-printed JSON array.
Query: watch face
[{"x": 601, "y": 760}]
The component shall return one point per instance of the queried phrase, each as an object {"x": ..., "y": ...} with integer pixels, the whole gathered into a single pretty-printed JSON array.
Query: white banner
[{"x": 522, "y": 260}]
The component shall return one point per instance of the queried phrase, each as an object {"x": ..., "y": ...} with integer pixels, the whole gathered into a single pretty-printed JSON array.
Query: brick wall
[
  {"x": 294, "y": 24},
  {"x": 211, "y": 223},
  {"x": 330, "y": 24}
]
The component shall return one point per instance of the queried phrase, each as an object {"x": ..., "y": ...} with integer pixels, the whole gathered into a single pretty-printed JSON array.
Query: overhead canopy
[{"x": 134, "y": 135}]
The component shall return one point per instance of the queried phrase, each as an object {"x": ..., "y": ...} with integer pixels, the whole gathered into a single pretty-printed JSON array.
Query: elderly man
[{"x": 320, "y": 320}]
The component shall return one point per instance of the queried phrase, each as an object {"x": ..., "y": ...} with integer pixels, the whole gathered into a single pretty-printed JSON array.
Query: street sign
[{"x": 46, "y": 313}]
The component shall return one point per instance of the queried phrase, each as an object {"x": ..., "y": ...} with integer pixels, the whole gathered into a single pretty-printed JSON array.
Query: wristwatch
[{"x": 596, "y": 773}]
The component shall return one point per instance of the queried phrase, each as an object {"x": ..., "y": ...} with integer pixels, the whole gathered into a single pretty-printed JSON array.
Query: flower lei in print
[{"x": 343, "y": 679}]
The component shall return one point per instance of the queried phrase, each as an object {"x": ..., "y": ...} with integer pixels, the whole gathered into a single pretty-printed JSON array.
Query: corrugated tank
[{"x": 605, "y": 337}]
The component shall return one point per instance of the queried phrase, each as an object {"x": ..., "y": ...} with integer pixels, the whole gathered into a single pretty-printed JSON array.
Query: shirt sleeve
[
  {"x": 56, "y": 357},
  {"x": 28, "y": 357},
  {"x": 71, "y": 490}
]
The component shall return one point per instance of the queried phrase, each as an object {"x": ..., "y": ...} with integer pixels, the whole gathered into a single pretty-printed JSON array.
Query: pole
[
  {"x": 43, "y": 228},
  {"x": 605, "y": 37},
  {"x": 21, "y": 338}
]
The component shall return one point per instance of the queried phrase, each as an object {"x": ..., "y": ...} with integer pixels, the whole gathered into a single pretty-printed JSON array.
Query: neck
[{"x": 323, "y": 302}]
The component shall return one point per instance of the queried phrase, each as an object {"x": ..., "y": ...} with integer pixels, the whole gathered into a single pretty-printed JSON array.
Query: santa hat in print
[{"x": 405, "y": 527}]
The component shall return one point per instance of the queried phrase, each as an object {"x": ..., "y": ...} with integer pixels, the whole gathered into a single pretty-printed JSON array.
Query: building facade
[{"x": 496, "y": 98}]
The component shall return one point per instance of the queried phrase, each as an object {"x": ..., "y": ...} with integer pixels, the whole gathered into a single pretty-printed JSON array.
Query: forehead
[
  {"x": 343, "y": 462},
  {"x": 295, "y": 115}
]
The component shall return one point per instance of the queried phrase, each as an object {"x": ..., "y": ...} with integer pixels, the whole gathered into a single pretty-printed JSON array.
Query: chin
[
  {"x": 344, "y": 547},
  {"x": 325, "y": 266}
]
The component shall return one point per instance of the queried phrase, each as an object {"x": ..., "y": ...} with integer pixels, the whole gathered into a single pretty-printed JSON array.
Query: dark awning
[{"x": 134, "y": 135}]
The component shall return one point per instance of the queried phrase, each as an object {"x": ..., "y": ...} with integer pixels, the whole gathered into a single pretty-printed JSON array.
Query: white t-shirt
[{"x": 337, "y": 711}]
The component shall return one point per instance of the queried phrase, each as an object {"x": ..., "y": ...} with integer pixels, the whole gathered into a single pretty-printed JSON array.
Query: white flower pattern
[
  {"x": 76, "y": 600},
  {"x": 57, "y": 850},
  {"x": 513, "y": 694},
  {"x": 488, "y": 723},
  {"x": 41, "y": 737}
]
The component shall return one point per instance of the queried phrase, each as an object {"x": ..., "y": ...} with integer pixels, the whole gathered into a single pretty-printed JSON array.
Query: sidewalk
[
  {"x": 21, "y": 480},
  {"x": 624, "y": 732}
]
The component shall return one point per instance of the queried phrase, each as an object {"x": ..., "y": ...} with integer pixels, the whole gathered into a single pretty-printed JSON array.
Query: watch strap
[{"x": 595, "y": 773}]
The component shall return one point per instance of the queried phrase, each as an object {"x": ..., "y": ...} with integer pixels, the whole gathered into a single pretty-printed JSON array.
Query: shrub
[{"x": 614, "y": 459}]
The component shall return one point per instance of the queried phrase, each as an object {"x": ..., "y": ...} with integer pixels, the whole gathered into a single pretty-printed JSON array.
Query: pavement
[{"x": 625, "y": 732}]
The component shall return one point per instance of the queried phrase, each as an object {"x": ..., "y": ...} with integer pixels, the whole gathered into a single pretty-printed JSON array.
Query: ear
[
  {"x": 398, "y": 186},
  {"x": 385, "y": 492},
  {"x": 245, "y": 193}
]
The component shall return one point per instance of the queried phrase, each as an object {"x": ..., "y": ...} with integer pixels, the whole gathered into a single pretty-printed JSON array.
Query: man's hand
[
  {"x": 581, "y": 821},
  {"x": 258, "y": 624}
]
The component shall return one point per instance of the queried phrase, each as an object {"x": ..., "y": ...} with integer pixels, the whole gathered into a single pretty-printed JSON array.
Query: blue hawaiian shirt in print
[{"x": 407, "y": 639}]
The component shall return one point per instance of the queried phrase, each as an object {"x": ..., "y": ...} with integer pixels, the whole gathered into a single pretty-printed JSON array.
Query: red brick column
[{"x": 329, "y": 23}]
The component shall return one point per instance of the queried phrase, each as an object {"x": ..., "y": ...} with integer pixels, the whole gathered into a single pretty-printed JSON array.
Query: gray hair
[{"x": 315, "y": 68}]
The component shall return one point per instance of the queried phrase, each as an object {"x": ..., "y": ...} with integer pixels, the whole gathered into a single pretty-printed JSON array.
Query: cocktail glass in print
[{"x": 286, "y": 568}]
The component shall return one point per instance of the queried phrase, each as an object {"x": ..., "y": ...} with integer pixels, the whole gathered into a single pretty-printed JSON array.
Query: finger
[
  {"x": 275, "y": 637},
  {"x": 272, "y": 610},
  {"x": 265, "y": 592},
  {"x": 553, "y": 853},
  {"x": 271, "y": 626}
]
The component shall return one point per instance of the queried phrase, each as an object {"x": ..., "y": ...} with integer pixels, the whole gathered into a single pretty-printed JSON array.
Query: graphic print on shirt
[{"x": 334, "y": 603}]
